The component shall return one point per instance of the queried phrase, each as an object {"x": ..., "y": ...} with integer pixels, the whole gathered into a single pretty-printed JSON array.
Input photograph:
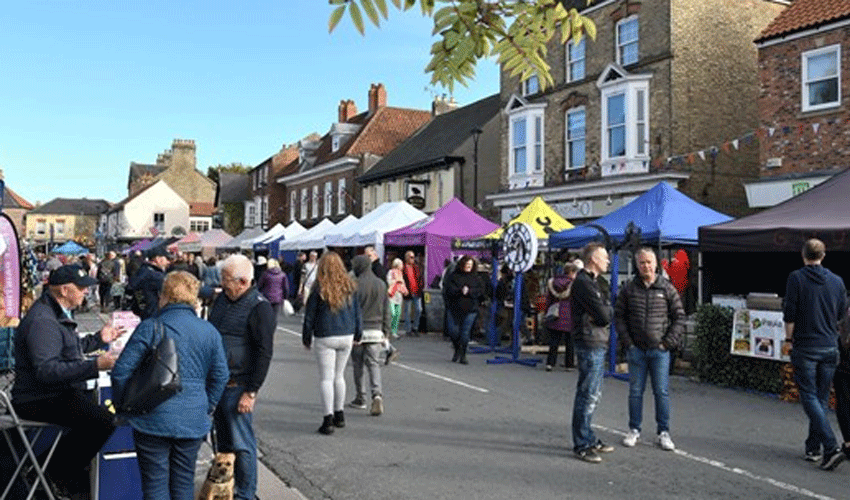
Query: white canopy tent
[
  {"x": 270, "y": 235},
  {"x": 315, "y": 233},
  {"x": 370, "y": 229},
  {"x": 246, "y": 234}
]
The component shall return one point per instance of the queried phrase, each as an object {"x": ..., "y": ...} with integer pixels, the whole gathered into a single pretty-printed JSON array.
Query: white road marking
[
  {"x": 440, "y": 377},
  {"x": 735, "y": 470},
  {"x": 416, "y": 370}
]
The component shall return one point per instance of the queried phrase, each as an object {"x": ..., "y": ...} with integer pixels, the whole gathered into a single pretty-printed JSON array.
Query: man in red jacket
[{"x": 412, "y": 306}]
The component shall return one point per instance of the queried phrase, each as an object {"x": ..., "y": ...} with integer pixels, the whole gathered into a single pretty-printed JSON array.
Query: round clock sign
[{"x": 520, "y": 247}]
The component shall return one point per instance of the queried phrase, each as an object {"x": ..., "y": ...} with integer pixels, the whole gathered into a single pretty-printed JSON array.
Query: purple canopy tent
[
  {"x": 451, "y": 221},
  {"x": 137, "y": 246}
]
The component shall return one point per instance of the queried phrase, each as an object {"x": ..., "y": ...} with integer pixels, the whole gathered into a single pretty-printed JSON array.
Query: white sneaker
[
  {"x": 665, "y": 442},
  {"x": 631, "y": 438}
]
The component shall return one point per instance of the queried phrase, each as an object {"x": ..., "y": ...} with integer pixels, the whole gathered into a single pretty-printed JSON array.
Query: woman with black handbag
[{"x": 169, "y": 435}]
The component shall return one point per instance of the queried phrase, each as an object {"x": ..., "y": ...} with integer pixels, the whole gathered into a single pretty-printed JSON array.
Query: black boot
[
  {"x": 327, "y": 425},
  {"x": 456, "y": 355},
  {"x": 339, "y": 419},
  {"x": 463, "y": 360}
]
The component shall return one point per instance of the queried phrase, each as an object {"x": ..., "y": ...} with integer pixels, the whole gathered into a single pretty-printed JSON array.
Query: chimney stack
[
  {"x": 377, "y": 97},
  {"x": 441, "y": 105},
  {"x": 347, "y": 110}
]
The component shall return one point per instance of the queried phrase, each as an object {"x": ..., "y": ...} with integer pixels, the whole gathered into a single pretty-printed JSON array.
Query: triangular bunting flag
[
  {"x": 735, "y": 143},
  {"x": 770, "y": 131},
  {"x": 725, "y": 147},
  {"x": 815, "y": 127},
  {"x": 691, "y": 159},
  {"x": 701, "y": 155}
]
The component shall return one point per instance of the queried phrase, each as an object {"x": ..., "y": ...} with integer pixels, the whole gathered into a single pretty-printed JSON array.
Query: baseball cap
[
  {"x": 71, "y": 274},
  {"x": 157, "y": 252}
]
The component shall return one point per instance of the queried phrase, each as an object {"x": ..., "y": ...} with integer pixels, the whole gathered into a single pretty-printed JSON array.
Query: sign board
[
  {"x": 520, "y": 247},
  {"x": 759, "y": 334},
  {"x": 415, "y": 193},
  {"x": 10, "y": 273}
]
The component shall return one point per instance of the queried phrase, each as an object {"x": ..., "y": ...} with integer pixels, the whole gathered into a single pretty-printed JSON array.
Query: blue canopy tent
[
  {"x": 660, "y": 216},
  {"x": 70, "y": 248},
  {"x": 664, "y": 216}
]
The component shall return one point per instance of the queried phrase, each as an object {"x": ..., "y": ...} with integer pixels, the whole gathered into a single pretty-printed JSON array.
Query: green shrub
[{"x": 714, "y": 363}]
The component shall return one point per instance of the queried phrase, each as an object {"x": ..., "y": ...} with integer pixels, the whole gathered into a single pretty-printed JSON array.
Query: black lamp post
[{"x": 476, "y": 132}]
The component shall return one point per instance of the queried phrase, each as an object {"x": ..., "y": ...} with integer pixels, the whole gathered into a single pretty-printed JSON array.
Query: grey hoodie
[{"x": 372, "y": 296}]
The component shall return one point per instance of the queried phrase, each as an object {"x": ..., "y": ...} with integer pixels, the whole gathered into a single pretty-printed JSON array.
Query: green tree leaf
[
  {"x": 335, "y": 18},
  {"x": 357, "y": 18},
  {"x": 371, "y": 13}
]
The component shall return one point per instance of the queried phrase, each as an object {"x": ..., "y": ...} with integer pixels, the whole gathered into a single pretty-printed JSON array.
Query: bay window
[{"x": 625, "y": 122}]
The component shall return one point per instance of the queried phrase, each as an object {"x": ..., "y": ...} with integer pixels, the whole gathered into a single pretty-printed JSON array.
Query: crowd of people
[{"x": 222, "y": 314}]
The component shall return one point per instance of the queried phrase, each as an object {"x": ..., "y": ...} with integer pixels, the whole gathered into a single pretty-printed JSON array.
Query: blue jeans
[
  {"x": 235, "y": 434},
  {"x": 167, "y": 466},
  {"x": 656, "y": 364},
  {"x": 814, "y": 368},
  {"x": 459, "y": 333},
  {"x": 412, "y": 311},
  {"x": 591, "y": 363}
]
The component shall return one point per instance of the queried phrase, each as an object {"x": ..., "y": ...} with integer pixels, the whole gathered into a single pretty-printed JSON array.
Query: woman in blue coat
[{"x": 168, "y": 438}]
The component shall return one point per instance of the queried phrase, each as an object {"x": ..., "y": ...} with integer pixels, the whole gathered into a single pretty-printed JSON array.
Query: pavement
[{"x": 269, "y": 485}]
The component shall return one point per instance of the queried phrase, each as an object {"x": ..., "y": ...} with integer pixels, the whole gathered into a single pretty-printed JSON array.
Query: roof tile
[{"x": 804, "y": 14}]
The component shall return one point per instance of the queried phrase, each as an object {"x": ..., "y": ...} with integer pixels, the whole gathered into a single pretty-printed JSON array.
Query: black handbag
[{"x": 156, "y": 379}]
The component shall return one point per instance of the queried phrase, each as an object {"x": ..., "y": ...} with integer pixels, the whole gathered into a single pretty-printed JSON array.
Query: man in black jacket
[
  {"x": 51, "y": 373},
  {"x": 591, "y": 317},
  {"x": 650, "y": 319},
  {"x": 247, "y": 323},
  {"x": 814, "y": 303},
  {"x": 146, "y": 284}
]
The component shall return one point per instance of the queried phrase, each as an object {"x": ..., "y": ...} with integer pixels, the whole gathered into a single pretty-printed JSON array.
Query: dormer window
[{"x": 335, "y": 140}]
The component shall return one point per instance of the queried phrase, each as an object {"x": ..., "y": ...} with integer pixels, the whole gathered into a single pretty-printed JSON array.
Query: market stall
[
  {"x": 660, "y": 216},
  {"x": 370, "y": 229},
  {"x": 206, "y": 243},
  {"x": 293, "y": 230},
  {"x": 259, "y": 243},
  {"x": 541, "y": 217},
  {"x": 435, "y": 234},
  {"x": 765, "y": 247},
  {"x": 235, "y": 244}
]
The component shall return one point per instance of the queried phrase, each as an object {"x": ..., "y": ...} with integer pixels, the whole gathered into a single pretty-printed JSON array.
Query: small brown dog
[{"x": 219, "y": 482}]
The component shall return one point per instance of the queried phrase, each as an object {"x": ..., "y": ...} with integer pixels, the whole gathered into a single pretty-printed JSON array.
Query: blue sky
[{"x": 88, "y": 87}]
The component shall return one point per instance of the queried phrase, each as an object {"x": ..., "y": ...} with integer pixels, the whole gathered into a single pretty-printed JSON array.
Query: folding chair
[{"x": 29, "y": 433}]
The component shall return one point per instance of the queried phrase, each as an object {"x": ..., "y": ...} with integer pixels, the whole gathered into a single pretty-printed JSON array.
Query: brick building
[
  {"x": 659, "y": 96},
  {"x": 804, "y": 70},
  {"x": 324, "y": 185},
  {"x": 267, "y": 203}
]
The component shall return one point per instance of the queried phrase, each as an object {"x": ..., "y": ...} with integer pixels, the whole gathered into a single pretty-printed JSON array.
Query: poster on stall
[
  {"x": 10, "y": 273},
  {"x": 759, "y": 334},
  {"x": 127, "y": 321}
]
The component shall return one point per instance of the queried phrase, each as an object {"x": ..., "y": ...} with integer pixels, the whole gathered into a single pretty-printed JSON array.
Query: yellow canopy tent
[{"x": 540, "y": 217}]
